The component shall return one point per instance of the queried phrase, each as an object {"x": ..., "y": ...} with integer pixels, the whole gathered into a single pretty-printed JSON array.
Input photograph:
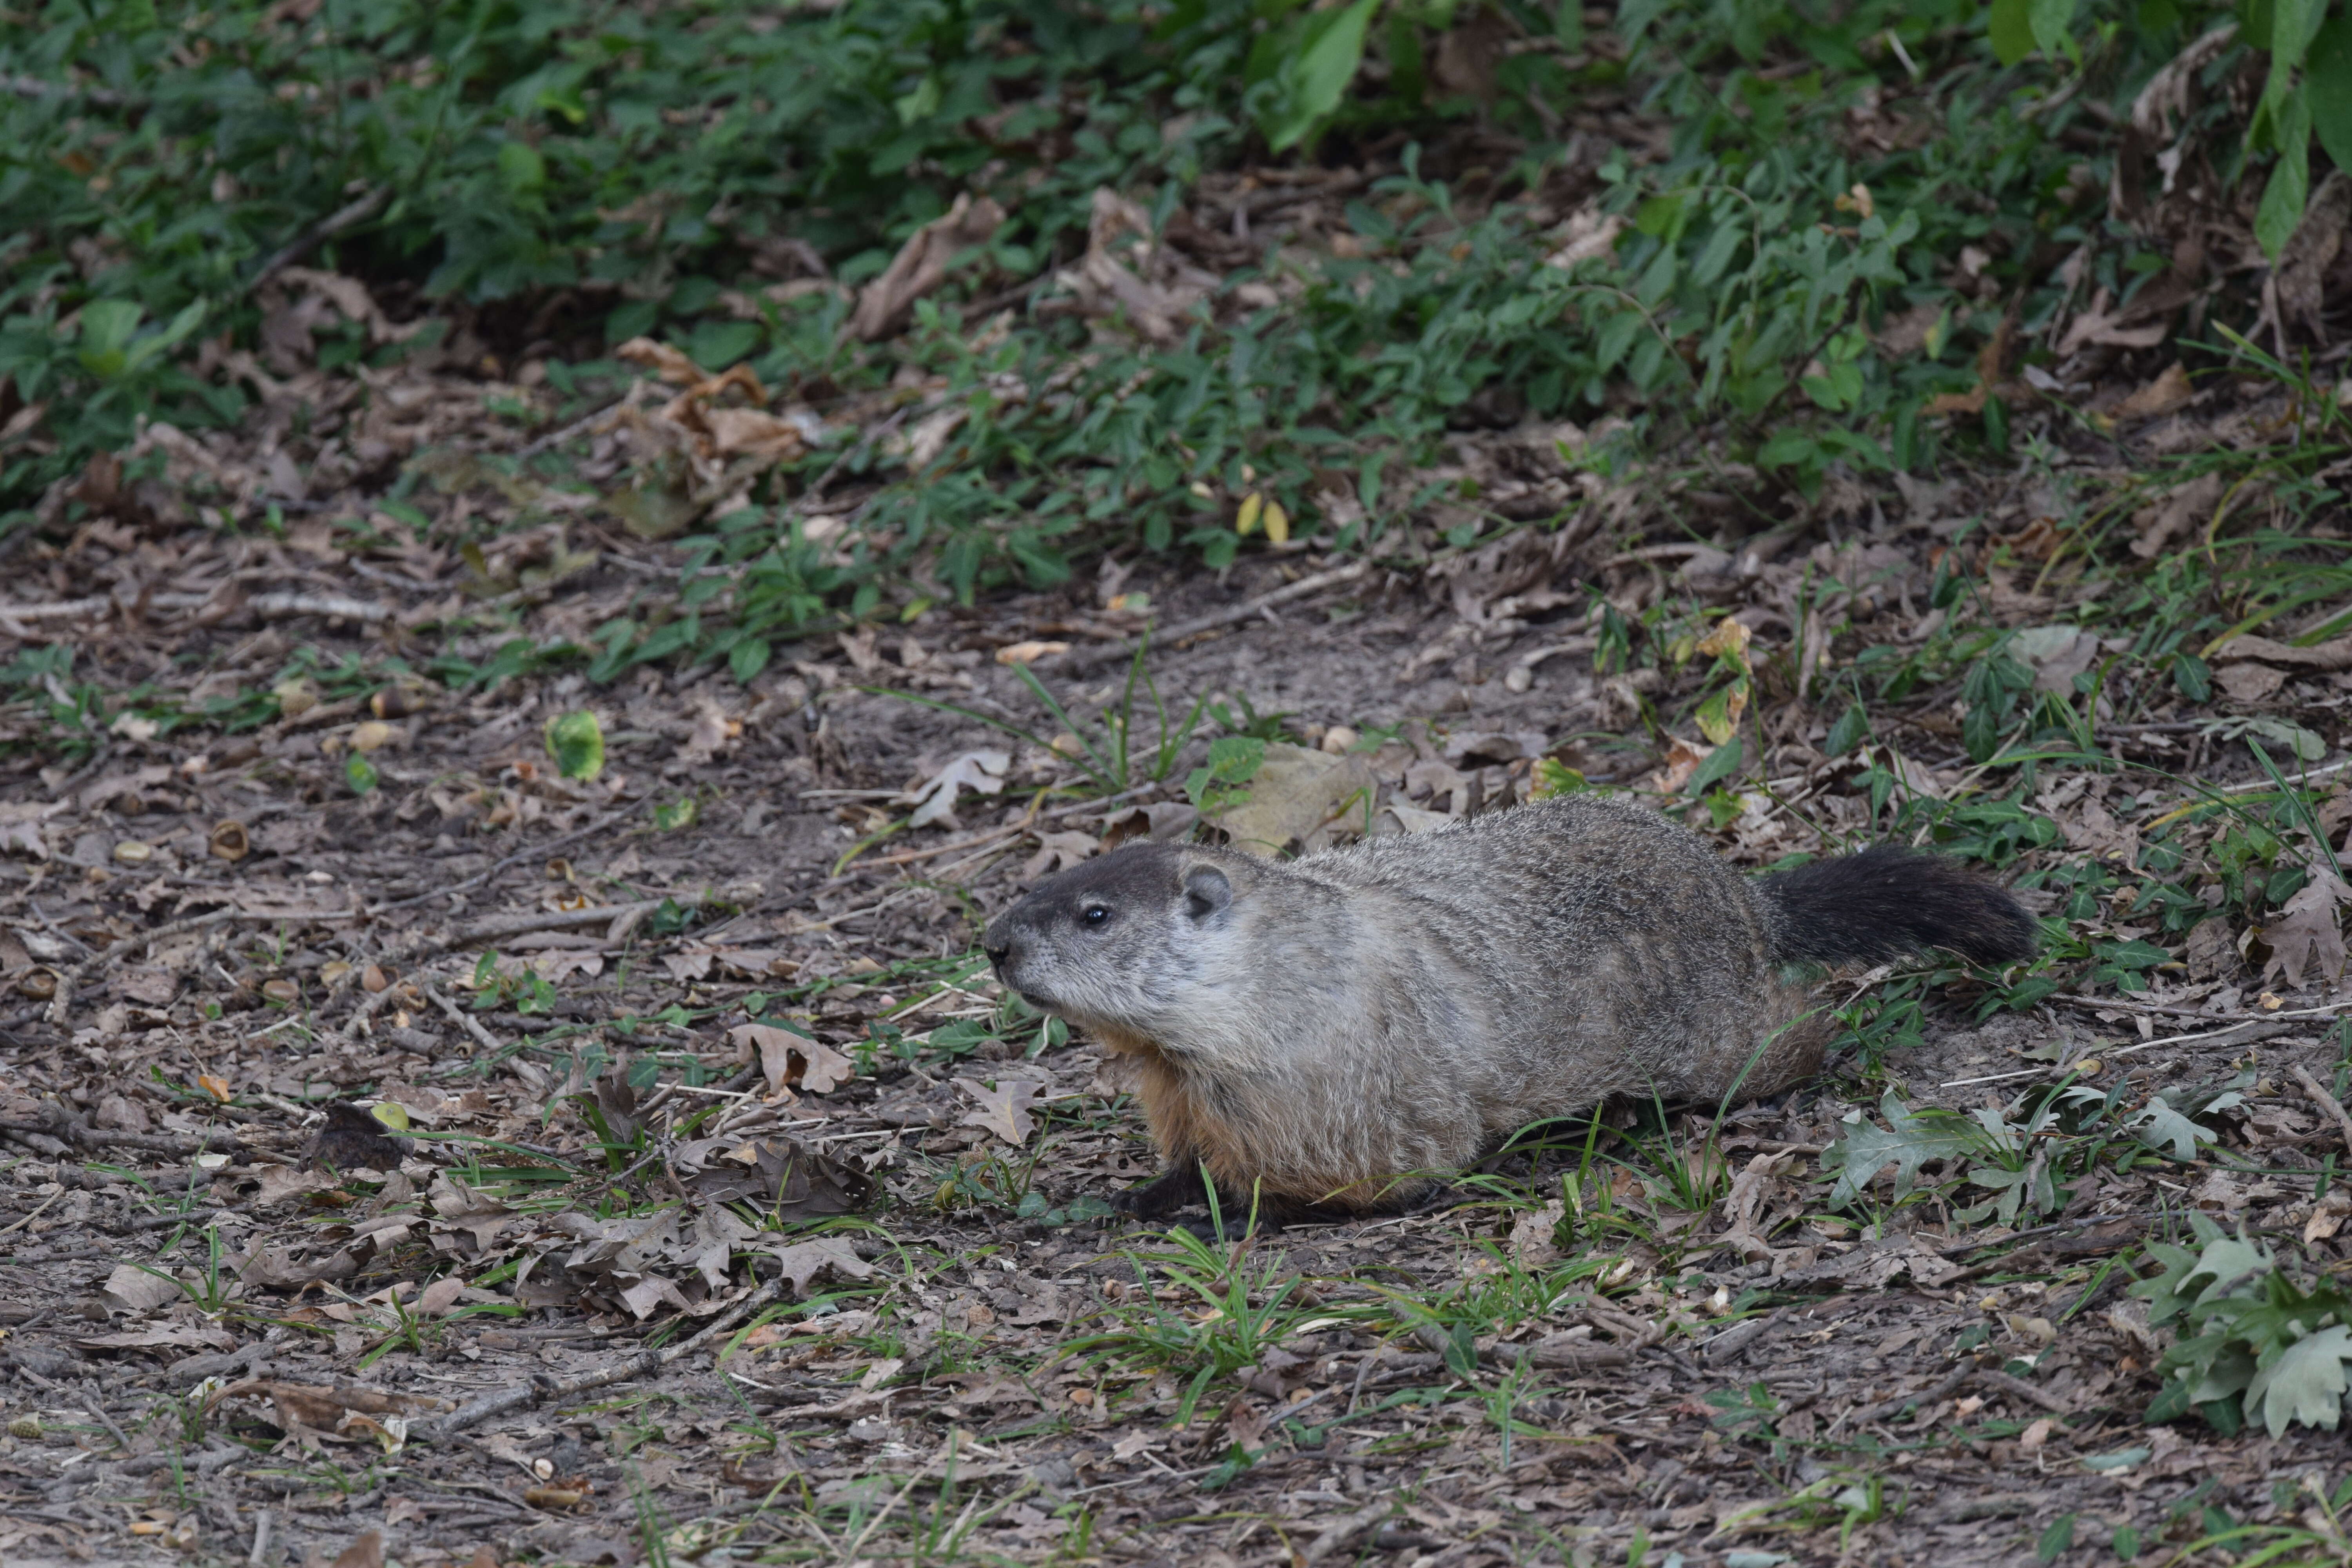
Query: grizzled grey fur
[{"x": 1323, "y": 1029}]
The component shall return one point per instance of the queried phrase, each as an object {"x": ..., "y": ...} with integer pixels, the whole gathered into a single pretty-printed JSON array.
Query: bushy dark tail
[{"x": 1888, "y": 901}]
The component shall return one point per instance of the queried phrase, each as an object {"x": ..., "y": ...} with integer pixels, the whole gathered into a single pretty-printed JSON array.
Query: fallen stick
[
  {"x": 2327, "y": 1102},
  {"x": 542, "y": 1386},
  {"x": 1087, "y": 658},
  {"x": 98, "y": 964}
]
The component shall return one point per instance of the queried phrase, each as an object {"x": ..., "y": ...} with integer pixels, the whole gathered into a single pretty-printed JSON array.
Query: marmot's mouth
[{"x": 1042, "y": 1005}]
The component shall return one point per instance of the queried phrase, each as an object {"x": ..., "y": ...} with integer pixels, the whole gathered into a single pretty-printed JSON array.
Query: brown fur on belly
[{"x": 1186, "y": 1130}]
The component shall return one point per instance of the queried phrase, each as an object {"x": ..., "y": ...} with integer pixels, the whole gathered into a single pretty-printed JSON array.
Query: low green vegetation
[{"x": 583, "y": 175}]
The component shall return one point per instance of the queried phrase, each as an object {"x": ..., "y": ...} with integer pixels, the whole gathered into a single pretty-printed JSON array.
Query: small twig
[
  {"x": 2333, "y": 1106},
  {"x": 557, "y": 438},
  {"x": 463, "y": 1020},
  {"x": 1943, "y": 1388},
  {"x": 537, "y": 851},
  {"x": 2016, "y": 1387},
  {"x": 72, "y": 1132},
  {"x": 342, "y": 605},
  {"x": 90, "y": 1402},
  {"x": 348, "y": 215},
  {"x": 646, "y": 1362},
  {"x": 99, "y": 963},
  {"x": 2245, "y": 1032},
  {"x": 426, "y": 947},
  {"x": 24, "y": 1220},
  {"x": 1086, "y": 658}
]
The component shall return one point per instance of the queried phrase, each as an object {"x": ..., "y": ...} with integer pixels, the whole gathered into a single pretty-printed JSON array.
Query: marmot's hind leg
[{"x": 1178, "y": 1187}]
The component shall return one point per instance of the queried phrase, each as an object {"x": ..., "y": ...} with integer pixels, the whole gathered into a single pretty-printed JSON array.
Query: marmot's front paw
[
  {"x": 1175, "y": 1188},
  {"x": 1141, "y": 1203}
]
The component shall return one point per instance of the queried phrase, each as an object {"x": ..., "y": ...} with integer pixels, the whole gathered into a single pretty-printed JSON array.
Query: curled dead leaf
[
  {"x": 921, "y": 266},
  {"x": 1029, "y": 652},
  {"x": 2169, "y": 393},
  {"x": 669, "y": 363},
  {"x": 230, "y": 841},
  {"x": 980, "y": 772}
]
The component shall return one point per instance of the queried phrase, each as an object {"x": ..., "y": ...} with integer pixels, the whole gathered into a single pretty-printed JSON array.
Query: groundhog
[{"x": 1322, "y": 1033}]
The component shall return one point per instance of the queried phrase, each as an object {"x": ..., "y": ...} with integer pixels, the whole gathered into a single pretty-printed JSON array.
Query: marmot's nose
[{"x": 998, "y": 945}]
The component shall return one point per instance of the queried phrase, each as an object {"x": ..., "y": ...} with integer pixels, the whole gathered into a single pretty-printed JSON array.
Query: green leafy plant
[
  {"x": 2022, "y": 1156},
  {"x": 2255, "y": 1343},
  {"x": 1106, "y": 748},
  {"x": 1223, "y": 781},
  {"x": 2306, "y": 93}
]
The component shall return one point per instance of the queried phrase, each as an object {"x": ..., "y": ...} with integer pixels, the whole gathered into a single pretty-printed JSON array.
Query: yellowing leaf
[
  {"x": 1246, "y": 519},
  {"x": 295, "y": 697},
  {"x": 1729, "y": 638},
  {"x": 1277, "y": 523},
  {"x": 1718, "y": 716},
  {"x": 1551, "y": 777},
  {"x": 391, "y": 1113},
  {"x": 217, "y": 1088}
]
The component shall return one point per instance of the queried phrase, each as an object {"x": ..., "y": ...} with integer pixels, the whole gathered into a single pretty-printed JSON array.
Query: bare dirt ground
[{"x": 726, "y": 1165}]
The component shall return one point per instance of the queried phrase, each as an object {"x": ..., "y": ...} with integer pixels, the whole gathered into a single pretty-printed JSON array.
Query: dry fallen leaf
[
  {"x": 787, "y": 1059},
  {"x": 2168, "y": 393},
  {"x": 138, "y": 1289},
  {"x": 1302, "y": 795},
  {"x": 786, "y": 1179},
  {"x": 749, "y": 433},
  {"x": 982, "y": 772},
  {"x": 1683, "y": 759},
  {"x": 1744, "y": 1204},
  {"x": 2306, "y": 932},
  {"x": 2189, "y": 507},
  {"x": 921, "y": 266},
  {"x": 803, "y": 1261},
  {"x": 1059, "y": 850},
  {"x": 1004, "y": 1110}
]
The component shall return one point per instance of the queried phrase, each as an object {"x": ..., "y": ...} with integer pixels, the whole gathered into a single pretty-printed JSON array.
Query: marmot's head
[{"x": 1137, "y": 938}]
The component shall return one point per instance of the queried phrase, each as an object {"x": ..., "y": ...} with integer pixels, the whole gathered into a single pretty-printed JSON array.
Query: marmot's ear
[{"x": 1206, "y": 891}]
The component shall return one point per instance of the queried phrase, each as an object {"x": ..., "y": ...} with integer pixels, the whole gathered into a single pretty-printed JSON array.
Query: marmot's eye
[{"x": 1096, "y": 915}]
